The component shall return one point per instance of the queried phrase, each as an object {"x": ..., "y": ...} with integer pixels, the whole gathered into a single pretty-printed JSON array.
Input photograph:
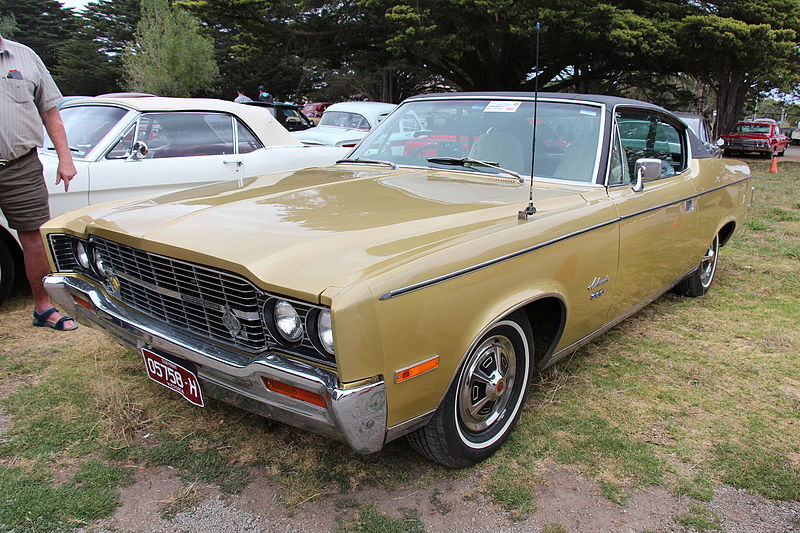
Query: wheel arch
[
  {"x": 11, "y": 242},
  {"x": 726, "y": 231}
]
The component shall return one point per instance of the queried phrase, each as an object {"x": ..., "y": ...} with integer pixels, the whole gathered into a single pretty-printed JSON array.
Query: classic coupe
[
  {"x": 135, "y": 146},
  {"x": 345, "y": 124},
  {"x": 416, "y": 286}
]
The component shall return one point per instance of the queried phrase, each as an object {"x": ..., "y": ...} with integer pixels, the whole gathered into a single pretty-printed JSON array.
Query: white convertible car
[{"x": 138, "y": 146}]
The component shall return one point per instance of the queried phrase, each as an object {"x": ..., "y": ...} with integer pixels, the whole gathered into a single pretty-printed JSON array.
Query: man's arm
[{"x": 55, "y": 129}]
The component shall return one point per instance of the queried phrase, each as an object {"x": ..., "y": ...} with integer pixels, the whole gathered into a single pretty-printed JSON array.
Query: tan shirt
[{"x": 26, "y": 89}]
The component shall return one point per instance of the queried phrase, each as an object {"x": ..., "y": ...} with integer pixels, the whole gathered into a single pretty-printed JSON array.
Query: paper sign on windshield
[{"x": 501, "y": 107}]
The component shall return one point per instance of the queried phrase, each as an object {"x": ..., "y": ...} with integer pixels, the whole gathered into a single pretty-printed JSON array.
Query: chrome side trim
[
  {"x": 404, "y": 428},
  {"x": 439, "y": 279},
  {"x": 355, "y": 416}
]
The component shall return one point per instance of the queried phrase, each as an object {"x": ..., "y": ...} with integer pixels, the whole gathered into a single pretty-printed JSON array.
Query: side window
[
  {"x": 247, "y": 141},
  {"x": 186, "y": 134},
  {"x": 618, "y": 171},
  {"x": 649, "y": 134},
  {"x": 122, "y": 149}
]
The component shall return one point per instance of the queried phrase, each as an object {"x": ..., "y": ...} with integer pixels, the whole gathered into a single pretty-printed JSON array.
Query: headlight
[
  {"x": 325, "y": 331},
  {"x": 287, "y": 321},
  {"x": 99, "y": 264},
  {"x": 82, "y": 255}
]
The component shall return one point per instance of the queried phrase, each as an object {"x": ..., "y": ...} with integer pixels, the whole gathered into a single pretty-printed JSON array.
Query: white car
[
  {"x": 345, "y": 124},
  {"x": 126, "y": 147}
]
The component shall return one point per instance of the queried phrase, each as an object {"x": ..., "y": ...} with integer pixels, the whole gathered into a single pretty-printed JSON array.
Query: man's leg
[{"x": 36, "y": 267}]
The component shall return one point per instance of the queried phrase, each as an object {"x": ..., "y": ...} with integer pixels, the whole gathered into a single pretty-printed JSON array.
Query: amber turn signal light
[
  {"x": 295, "y": 392},
  {"x": 83, "y": 302},
  {"x": 415, "y": 370}
]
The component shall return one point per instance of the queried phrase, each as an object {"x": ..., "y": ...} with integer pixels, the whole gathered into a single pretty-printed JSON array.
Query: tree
[
  {"x": 83, "y": 69},
  {"x": 41, "y": 24},
  {"x": 8, "y": 25},
  {"x": 169, "y": 56},
  {"x": 741, "y": 49}
]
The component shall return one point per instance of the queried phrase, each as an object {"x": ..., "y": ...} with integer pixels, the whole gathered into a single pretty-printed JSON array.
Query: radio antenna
[{"x": 530, "y": 210}]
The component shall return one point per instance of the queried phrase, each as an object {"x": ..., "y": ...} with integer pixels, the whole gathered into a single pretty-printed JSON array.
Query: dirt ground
[{"x": 449, "y": 506}]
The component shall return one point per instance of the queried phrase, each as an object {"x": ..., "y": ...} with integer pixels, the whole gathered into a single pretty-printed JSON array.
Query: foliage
[
  {"x": 169, "y": 57},
  {"x": 41, "y": 24}
]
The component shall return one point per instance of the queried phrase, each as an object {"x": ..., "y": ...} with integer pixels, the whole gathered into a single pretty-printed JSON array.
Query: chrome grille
[
  {"x": 185, "y": 295},
  {"x": 61, "y": 247}
]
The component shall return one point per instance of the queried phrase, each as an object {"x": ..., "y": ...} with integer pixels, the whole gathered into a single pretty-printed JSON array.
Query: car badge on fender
[{"x": 596, "y": 282}]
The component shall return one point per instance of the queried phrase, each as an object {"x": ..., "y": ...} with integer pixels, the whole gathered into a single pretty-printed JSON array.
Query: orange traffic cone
[{"x": 773, "y": 168}]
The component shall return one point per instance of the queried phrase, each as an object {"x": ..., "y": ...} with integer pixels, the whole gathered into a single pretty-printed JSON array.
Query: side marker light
[{"x": 415, "y": 370}]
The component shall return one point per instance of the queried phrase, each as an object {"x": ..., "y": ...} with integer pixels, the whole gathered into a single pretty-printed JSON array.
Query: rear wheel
[
  {"x": 698, "y": 282},
  {"x": 484, "y": 401},
  {"x": 7, "y": 271}
]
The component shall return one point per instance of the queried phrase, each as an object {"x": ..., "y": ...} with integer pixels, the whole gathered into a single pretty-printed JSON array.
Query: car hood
[
  {"x": 299, "y": 233},
  {"x": 330, "y": 135}
]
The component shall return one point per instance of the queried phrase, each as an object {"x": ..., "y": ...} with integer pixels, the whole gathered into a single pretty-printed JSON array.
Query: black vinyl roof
[{"x": 610, "y": 101}]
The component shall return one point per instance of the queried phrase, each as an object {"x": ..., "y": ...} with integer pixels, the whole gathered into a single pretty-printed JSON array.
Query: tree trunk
[{"x": 731, "y": 94}]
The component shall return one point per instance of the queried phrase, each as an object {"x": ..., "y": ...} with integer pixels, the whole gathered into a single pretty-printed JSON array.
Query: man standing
[
  {"x": 264, "y": 96},
  {"x": 242, "y": 98},
  {"x": 28, "y": 99}
]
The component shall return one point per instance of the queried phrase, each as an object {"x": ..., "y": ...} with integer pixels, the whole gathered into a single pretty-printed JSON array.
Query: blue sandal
[{"x": 40, "y": 320}]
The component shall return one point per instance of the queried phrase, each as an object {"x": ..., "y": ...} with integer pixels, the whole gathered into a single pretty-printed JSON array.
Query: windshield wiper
[
  {"x": 468, "y": 162},
  {"x": 368, "y": 162}
]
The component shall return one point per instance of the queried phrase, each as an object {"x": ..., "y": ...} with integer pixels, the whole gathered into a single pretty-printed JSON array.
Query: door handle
[{"x": 237, "y": 162}]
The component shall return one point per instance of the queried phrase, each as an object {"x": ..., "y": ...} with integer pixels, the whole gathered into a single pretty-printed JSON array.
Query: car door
[
  {"x": 181, "y": 149},
  {"x": 658, "y": 224}
]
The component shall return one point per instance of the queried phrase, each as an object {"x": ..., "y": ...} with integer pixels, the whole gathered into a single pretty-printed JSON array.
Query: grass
[{"x": 688, "y": 394}]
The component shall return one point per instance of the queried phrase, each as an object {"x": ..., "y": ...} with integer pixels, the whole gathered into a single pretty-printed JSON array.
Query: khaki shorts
[{"x": 23, "y": 194}]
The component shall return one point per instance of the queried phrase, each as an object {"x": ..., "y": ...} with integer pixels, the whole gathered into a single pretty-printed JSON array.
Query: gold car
[{"x": 414, "y": 288}]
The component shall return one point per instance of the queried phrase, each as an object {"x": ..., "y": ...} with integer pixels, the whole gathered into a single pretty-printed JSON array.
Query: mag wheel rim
[
  {"x": 487, "y": 384},
  {"x": 709, "y": 263}
]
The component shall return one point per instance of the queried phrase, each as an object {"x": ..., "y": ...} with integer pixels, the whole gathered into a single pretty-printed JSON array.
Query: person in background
[
  {"x": 28, "y": 100},
  {"x": 241, "y": 97},
  {"x": 263, "y": 95}
]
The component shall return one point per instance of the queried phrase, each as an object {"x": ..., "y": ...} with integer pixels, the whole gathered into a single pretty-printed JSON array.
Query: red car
[{"x": 761, "y": 135}]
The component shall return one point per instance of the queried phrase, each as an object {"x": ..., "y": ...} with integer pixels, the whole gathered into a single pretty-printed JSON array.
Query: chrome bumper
[{"x": 356, "y": 416}]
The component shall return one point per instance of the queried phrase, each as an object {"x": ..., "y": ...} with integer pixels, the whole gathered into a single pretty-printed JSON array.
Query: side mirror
[
  {"x": 139, "y": 150},
  {"x": 646, "y": 169}
]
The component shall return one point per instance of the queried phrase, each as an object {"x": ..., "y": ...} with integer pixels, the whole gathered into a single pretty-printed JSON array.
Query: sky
[{"x": 75, "y": 3}]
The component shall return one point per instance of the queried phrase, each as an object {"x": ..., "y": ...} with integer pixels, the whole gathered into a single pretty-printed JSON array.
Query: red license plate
[{"x": 173, "y": 376}]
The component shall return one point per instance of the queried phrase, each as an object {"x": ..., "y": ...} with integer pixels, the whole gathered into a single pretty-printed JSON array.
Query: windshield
[
  {"x": 752, "y": 128},
  {"x": 343, "y": 119},
  {"x": 500, "y": 132},
  {"x": 87, "y": 125}
]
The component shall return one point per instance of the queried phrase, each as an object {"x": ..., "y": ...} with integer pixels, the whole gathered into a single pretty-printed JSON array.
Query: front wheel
[
  {"x": 484, "y": 401},
  {"x": 699, "y": 281}
]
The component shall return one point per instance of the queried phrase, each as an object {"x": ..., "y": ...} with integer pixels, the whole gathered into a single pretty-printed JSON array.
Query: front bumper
[
  {"x": 747, "y": 146},
  {"x": 356, "y": 416}
]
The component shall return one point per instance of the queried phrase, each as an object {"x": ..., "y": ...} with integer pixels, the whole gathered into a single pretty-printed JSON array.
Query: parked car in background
[
  {"x": 133, "y": 146},
  {"x": 314, "y": 110},
  {"x": 794, "y": 136},
  {"x": 287, "y": 115},
  {"x": 345, "y": 124},
  {"x": 400, "y": 291},
  {"x": 762, "y": 136},
  {"x": 701, "y": 126}
]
